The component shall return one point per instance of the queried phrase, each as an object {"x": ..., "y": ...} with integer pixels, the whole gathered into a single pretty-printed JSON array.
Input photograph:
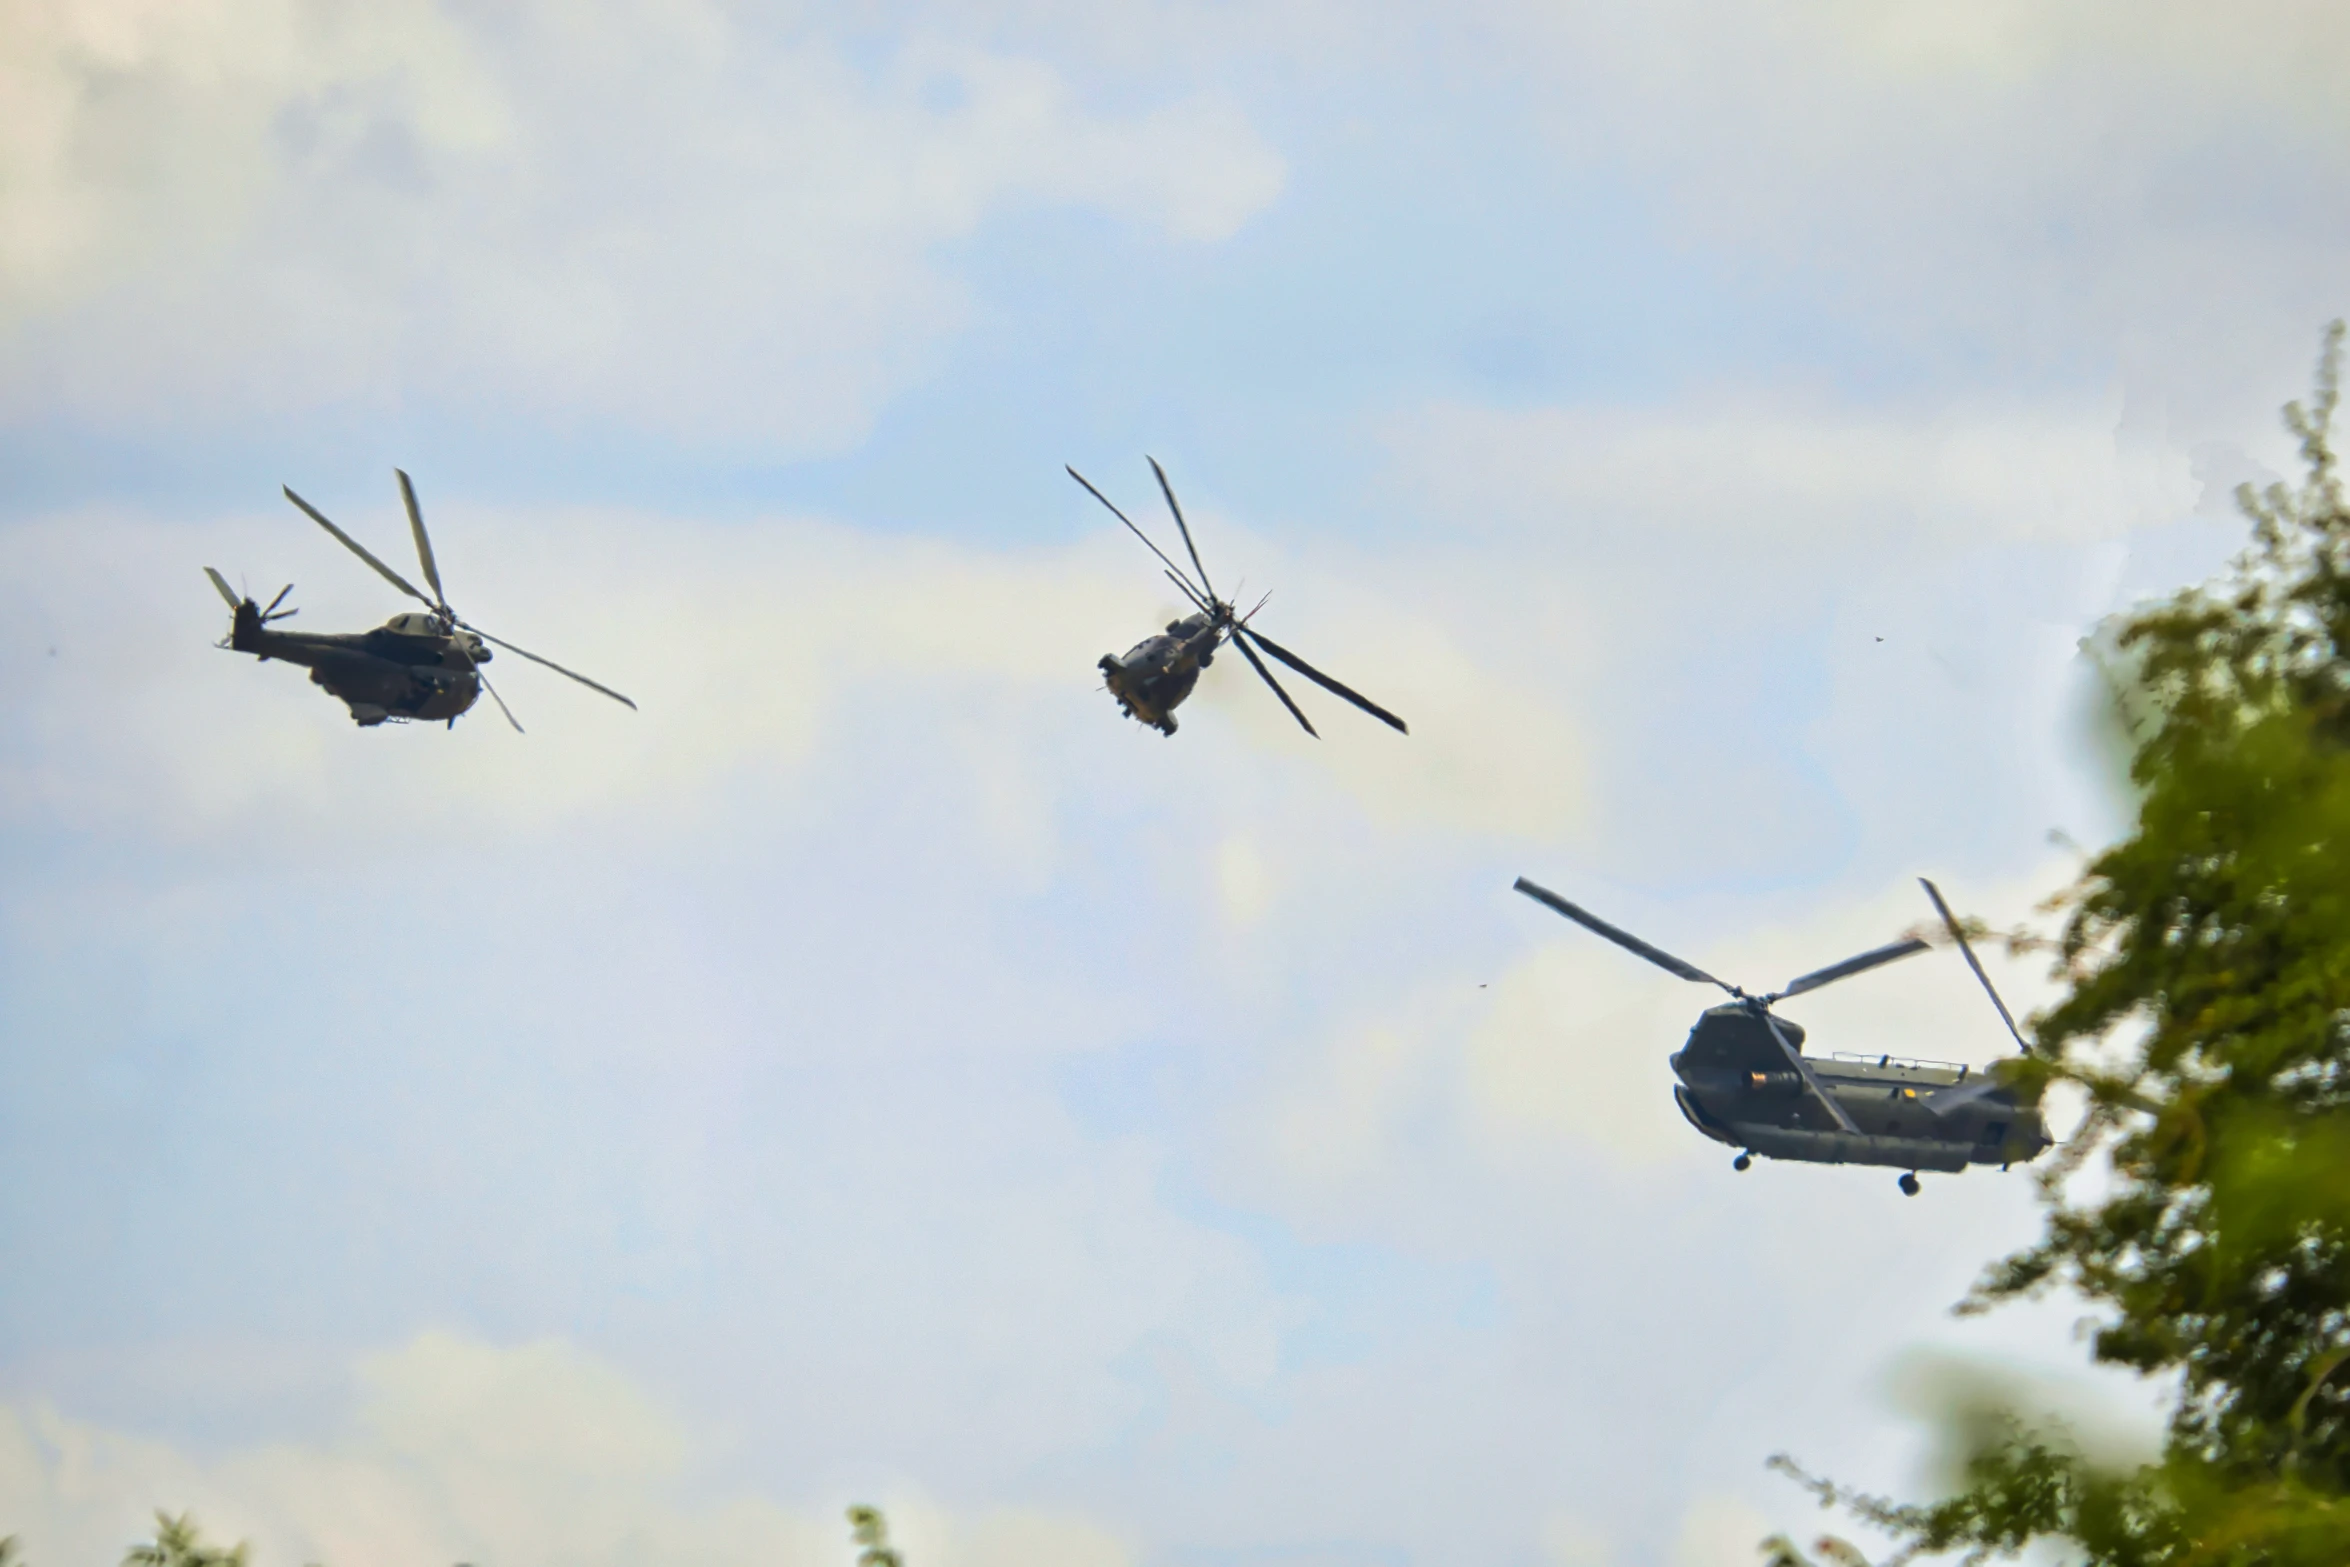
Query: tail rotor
[
  {"x": 238, "y": 601},
  {"x": 247, "y": 619}
]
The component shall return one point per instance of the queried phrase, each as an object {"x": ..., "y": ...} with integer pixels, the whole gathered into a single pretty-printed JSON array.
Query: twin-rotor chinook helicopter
[
  {"x": 1746, "y": 1082},
  {"x": 412, "y": 667}
]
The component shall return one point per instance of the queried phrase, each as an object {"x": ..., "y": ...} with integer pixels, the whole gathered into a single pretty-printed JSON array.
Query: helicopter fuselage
[
  {"x": 406, "y": 669},
  {"x": 1738, "y": 1088},
  {"x": 1157, "y": 673}
]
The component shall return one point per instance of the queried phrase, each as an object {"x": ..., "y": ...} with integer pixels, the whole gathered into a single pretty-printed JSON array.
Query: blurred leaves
[
  {"x": 870, "y": 1531},
  {"x": 179, "y": 1543},
  {"x": 2207, "y": 1018}
]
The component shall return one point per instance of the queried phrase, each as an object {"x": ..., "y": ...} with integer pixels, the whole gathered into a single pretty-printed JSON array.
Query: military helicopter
[
  {"x": 1157, "y": 673},
  {"x": 1746, "y": 1082},
  {"x": 412, "y": 667}
]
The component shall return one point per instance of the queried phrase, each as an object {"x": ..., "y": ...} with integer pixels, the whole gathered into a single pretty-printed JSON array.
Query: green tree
[
  {"x": 179, "y": 1543},
  {"x": 2206, "y": 1017},
  {"x": 870, "y": 1531}
]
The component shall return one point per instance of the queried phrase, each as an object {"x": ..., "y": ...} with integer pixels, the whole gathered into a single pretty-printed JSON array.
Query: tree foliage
[
  {"x": 179, "y": 1543},
  {"x": 2206, "y": 1017},
  {"x": 870, "y": 1532}
]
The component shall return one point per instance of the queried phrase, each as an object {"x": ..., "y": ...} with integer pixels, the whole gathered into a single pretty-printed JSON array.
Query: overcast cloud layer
[{"x": 875, "y": 1071}]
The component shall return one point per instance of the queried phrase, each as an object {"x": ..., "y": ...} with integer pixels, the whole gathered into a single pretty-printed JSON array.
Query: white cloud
[
  {"x": 1340, "y": 1124},
  {"x": 1568, "y": 1541},
  {"x": 462, "y": 1451},
  {"x": 1971, "y": 186},
  {"x": 1574, "y": 1045},
  {"x": 649, "y": 215},
  {"x": 660, "y": 216},
  {"x": 1828, "y": 479},
  {"x": 1493, "y": 749},
  {"x": 1720, "y": 1531},
  {"x": 1243, "y": 881},
  {"x": 1813, "y": 630}
]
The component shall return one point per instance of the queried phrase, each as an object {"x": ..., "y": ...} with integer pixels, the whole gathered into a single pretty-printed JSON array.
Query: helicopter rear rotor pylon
[{"x": 1958, "y": 1097}]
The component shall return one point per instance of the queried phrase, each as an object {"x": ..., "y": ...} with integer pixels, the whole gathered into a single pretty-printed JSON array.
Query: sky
[{"x": 874, "y": 1071}]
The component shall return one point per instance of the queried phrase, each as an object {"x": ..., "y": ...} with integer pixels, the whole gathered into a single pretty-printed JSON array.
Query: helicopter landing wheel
[
  {"x": 1744, "y": 1161},
  {"x": 1909, "y": 1184}
]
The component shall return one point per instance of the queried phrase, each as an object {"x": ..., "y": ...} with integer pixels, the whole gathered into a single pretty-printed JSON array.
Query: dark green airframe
[
  {"x": 1746, "y": 1082},
  {"x": 1157, "y": 673},
  {"x": 413, "y": 667}
]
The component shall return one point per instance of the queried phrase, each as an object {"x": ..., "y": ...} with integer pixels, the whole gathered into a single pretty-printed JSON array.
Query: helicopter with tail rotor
[
  {"x": 1746, "y": 1082},
  {"x": 415, "y": 667},
  {"x": 1155, "y": 675}
]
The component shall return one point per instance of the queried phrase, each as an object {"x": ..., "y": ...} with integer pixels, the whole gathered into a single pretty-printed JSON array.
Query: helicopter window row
[{"x": 1891, "y": 1060}]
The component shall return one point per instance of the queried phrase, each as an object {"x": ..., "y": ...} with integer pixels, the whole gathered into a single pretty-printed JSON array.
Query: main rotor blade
[
  {"x": 1182, "y": 527},
  {"x": 1951, "y": 920},
  {"x": 1197, "y": 597},
  {"x": 1804, "y": 1071},
  {"x": 501, "y": 701},
  {"x": 432, "y": 572},
  {"x": 482, "y": 677},
  {"x": 1328, "y": 684},
  {"x": 1943, "y": 1101},
  {"x": 226, "y": 591},
  {"x": 1622, "y": 938},
  {"x": 1241, "y": 642},
  {"x": 1888, "y": 953},
  {"x": 1190, "y": 592},
  {"x": 551, "y": 664},
  {"x": 359, "y": 549}
]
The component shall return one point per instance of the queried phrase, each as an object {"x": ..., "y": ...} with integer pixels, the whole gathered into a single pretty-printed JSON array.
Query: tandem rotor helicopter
[
  {"x": 1746, "y": 1082},
  {"x": 412, "y": 667},
  {"x": 1157, "y": 673}
]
